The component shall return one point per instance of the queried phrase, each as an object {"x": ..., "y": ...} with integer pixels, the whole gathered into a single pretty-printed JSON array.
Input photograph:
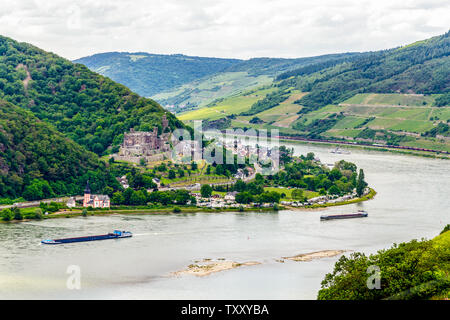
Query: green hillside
[
  {"x": 395, "y": 97},
  {"x": 36, "y": 161},
  {"x": 148, "y": 74},
  {"x": 422, "y": 68},
  {"x": 238, "y": 79},
  {"x": 408, "y": 271},
  {"x": 187, "y": 82},
  {"x": 87, "y": 107}
]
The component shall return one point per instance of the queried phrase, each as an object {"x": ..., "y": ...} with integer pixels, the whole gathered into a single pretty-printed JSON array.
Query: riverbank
[
  {"x": 322, "y": 206},
  {"x": 144, "y": 211},
  {"x": 78, "y": 212},
  {"x": 371, "y": 148}
]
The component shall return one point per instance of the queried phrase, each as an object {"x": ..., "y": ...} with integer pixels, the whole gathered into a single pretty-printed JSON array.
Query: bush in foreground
[{"x": 412, "y": 270}]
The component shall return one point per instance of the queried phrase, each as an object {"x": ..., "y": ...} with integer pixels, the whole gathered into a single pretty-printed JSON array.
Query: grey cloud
[{"x": 226, "y": 28}]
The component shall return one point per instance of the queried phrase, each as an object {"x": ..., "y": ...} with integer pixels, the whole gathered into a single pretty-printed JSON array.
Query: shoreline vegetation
[
  {"x": 78, "y": 212},
  {"x": 414, "y": 270},
  {"x": 304, "y": 182},
  {"x": 424, "y": 154}
]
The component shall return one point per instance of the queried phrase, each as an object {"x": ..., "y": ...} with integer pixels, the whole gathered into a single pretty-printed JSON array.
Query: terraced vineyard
[{"x": 227, "y": 107}]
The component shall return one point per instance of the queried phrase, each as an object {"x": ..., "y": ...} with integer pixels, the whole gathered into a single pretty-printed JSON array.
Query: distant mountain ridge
[
  {"x": 148, "y": 74},
  {"x": 179, "y": 79},
  {"x": 397, "y": 96}
]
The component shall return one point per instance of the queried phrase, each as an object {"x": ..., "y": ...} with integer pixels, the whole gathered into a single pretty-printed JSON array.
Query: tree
[
  {"x": 38, "y": 213},
  {"x": 297, "y": 194},
  {"x": 117, "y": 198},
  {"x": 335, "y": 174},
  {"x": 334, "y": 190},
  {"x": 17, "y": 214},
  {"x": 244, "y": 197},
  {"x": 360, "y": 183},
  {"x": 240, "y": 186},
  {"x": 6, "y": 215},
  {"x": 206, "y": 191},
  {"x": 172, "y": 174},
  {"x": 310, "y": 156}
]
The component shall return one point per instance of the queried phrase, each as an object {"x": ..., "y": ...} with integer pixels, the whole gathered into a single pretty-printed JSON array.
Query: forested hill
[
  {"x": 36, "y": 161},
  {"x": 181, "y": 80},
  {"x": 148, "y": 74},
  {"x": 422, "y": 67},
  {"x": 91, "y": 109}
]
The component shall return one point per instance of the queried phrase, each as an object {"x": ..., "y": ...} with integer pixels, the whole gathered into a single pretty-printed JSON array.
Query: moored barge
[{"x": 359, "y": 214}]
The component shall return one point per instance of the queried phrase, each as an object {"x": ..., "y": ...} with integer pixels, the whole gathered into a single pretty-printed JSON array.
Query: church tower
[{"x": 87, "y": 195}]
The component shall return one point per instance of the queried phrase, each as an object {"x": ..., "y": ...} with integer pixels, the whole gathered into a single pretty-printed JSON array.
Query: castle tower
[
  {"x": 165, "y": 122},
  {"x": 87, "y": 195}
]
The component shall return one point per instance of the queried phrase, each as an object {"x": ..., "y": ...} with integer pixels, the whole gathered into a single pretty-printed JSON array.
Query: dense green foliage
[
  {"x": 305, "y": 173},
  {"x": 89, "y": 108},
  {"x": 142, "y": 197},
  {"x": 36, "y": 161},
  {"x": 412, "y": 270},
  {"x": 443, "y": 100},
  {"x": 442, "y": 129}
]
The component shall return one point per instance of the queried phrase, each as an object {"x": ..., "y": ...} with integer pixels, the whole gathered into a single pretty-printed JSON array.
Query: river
[{"x": 412, "y": 202}]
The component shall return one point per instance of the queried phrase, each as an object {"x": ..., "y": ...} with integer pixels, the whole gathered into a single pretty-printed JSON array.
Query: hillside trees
[
  {"x": 36, "y": 161},
  {"x": 87, "y": 107}
]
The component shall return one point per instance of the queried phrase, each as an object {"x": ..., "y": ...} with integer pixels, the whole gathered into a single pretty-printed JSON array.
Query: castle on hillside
[
  {"x": 95, "y": 200},
  {"x": 142, "y": 144}
]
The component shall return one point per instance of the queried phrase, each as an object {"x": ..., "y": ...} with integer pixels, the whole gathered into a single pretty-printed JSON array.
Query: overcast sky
[{"x": 225, "y": 28}]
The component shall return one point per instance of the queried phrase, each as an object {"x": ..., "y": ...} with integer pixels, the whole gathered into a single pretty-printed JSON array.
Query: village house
[
  {"x": 123, "y": 182},
  {"x": 95, "y": 200},
  {"x": 71, "y": 203}
]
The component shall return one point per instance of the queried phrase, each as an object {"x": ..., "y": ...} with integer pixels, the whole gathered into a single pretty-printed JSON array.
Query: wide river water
[{"x": 412, "y": 202}]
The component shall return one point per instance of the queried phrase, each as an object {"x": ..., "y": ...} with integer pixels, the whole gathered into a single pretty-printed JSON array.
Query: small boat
[
  {"x": 340, "y": 151},
  {"x": 359, "y": 214},
  {"x": 116, "y": 234}
]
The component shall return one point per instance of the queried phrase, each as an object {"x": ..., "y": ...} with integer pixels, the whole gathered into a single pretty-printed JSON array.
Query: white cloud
[{"x": 226, "y": 28}]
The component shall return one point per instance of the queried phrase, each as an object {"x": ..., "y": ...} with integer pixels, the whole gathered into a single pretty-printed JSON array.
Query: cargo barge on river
[
  {"x": 116, "y": 234},
  {"x": 359, "y": 214}
]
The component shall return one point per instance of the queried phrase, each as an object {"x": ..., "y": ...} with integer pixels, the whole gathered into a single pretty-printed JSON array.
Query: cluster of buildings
[
  {"x": 216, "y": 201},
  {"x": 246, "y": 150},
  {"x": 91, "y": 200},
  {"x": 227, "y": 201},
  {"x": 323, "y": 199}
]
